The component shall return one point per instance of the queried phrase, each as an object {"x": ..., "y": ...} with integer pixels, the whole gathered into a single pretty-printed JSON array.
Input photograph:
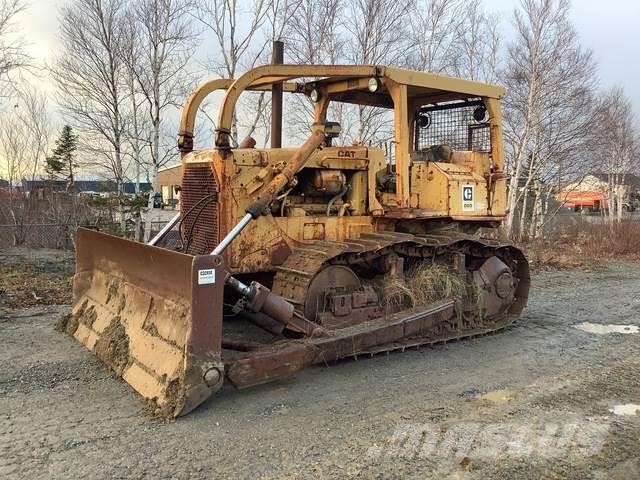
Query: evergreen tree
[{"x": 62, "y": 161}]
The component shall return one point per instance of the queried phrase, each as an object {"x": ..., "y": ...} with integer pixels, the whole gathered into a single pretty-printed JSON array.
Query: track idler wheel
[
  {"x": 495, "y": 280},
  {"x": 327, "y": 281},
  {"x": 336, "y": 299}
]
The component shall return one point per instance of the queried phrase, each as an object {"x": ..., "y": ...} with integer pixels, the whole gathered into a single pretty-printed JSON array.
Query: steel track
[{"x": 295, "y": 275}]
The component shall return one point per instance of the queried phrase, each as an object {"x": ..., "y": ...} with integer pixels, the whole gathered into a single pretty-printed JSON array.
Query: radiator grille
[{"x": 199, "y": 205}]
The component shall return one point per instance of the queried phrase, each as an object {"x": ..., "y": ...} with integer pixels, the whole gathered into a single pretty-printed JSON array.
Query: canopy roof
[{"x": 348, "y": 83}]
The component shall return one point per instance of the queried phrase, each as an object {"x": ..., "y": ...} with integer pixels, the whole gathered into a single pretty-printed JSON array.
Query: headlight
[
  {"x": 373, "y": 85},
  {"x": 480, "y": 114}
]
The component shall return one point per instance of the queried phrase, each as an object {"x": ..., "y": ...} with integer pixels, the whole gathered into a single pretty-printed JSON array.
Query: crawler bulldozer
[{"x": 281, "y": 258}]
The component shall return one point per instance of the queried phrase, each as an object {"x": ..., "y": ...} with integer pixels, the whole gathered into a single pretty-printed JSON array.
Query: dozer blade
[{"x": 154, "y": 316}]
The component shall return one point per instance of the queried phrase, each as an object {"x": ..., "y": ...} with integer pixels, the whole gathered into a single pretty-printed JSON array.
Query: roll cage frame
[{"x": 403, "y": 91}]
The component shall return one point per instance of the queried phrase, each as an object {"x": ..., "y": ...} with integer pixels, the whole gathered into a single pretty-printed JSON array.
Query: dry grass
[
  {"x": 585, "y": 246},
  {"x": 35, "y": 277},
  {"x": 422, "y": 285},
  {"x": 28, "y": 287}
]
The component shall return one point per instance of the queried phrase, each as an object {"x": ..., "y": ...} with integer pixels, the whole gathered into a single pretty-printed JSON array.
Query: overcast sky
[{"x": 610, "y": 28}]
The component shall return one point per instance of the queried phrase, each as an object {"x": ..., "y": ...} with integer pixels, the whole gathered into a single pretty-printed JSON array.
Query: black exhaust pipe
[{"x": 277, "y": 58}]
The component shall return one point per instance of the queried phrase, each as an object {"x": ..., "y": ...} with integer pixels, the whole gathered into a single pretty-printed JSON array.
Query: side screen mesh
[{"x": 461, "y": 125}]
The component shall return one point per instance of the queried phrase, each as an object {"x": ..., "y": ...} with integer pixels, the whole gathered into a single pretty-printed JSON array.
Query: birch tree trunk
[
  {"x": 536, "y": 210},
  {"x": 523, "y": 215},
  {"x": 619, "y": 203}
]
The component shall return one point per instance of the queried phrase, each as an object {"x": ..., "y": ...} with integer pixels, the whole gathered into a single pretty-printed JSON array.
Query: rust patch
[
  {"x": 313, "y": 231},
  {"x": 280, "y": 253},
  {"x": 113, "y": 346}
]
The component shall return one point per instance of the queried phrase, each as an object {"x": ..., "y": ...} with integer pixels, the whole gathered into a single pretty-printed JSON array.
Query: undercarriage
[{"x": 340, "y": 287}]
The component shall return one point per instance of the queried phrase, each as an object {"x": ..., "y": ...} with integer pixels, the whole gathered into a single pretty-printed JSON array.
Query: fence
[
  {"x": 576, "y": 221},
  {"x": 58, "y": 235}
]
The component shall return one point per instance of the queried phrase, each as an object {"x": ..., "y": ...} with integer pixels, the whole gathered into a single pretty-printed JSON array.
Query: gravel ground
[{"x": 534, "y": 401}]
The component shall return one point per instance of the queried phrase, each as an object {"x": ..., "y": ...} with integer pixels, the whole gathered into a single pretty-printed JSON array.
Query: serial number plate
[{"x": 206, "y": 276}]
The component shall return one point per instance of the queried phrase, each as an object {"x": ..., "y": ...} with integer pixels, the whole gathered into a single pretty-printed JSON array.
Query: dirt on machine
[{"x": 281, "y": 258}]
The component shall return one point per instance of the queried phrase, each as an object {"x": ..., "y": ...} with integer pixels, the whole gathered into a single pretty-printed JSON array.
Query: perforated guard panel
[
  {"x": 453, "y": 124},
  {"x": 199, "y": 206}
]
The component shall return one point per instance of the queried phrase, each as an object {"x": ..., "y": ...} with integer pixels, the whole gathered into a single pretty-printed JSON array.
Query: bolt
[{"x": 212, "y": 376}]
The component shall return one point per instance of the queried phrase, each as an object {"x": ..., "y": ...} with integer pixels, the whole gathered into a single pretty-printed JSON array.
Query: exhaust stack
[{"x": 277, "y": 58}]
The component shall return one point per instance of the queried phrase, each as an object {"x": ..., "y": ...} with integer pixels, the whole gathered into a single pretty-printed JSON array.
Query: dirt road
[{"x": 534, "y": 401}]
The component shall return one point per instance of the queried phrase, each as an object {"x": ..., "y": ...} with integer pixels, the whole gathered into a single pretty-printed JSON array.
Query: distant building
[
  {"x": 5, "y": 189},
  {"x": 169, "y": 181},
  {"x": 590, "y": 192},
  {"x": 599, "y": 182},
  {"x": 98, "y": 186}
]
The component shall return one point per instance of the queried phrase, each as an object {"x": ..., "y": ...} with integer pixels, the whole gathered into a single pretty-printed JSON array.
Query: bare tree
[
  {"x": 24, "y": 139},
  {"x": 90, "y": 76},
  {"x": 617, "y": 146},
  {"x": 137, "y": 123},
  {"x": 12, "y": 47},
  {"x": 313, "y": 36},
  {"x": 378, "y": 31},
  {"x": 549, "y": 79},
  {"x": 280, "y": 15},
  {"x": 435, "y": 28},
  {"x": 560, "y": 150},
  {"x": 378, "y": 34},
  {"x": 244, "y": 32},
  {"x": 235, "y": 40},
  {"x": 161, "y": 42},
  {"x": 456, "y": 37},
  {"x": 25, "y": 135},
  {"x": 237, "y": 28},
  {"x": 137, "y": 133},
  {"x": 14, "y": 143},
  {"x": 476, "y": 44},
  {"x": 257, "y": 106}
]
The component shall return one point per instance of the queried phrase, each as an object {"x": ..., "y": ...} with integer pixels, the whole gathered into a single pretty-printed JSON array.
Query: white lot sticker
[
  {"x": 467, "y": 198},
  {"x": 207, "y": 276}
]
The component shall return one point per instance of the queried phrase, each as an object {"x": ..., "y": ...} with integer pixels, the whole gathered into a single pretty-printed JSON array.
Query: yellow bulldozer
[{"x": 281, "y": 258}]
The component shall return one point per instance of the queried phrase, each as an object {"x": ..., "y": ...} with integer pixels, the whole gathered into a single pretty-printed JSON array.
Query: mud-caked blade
[{"x": 152, "y": 315}]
